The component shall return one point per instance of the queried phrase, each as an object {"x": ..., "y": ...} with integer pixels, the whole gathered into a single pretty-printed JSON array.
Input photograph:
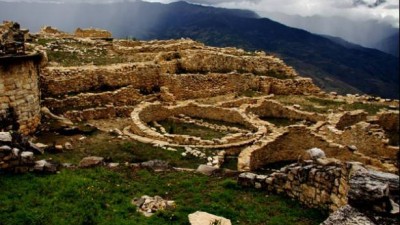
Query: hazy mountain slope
[
  {"x": 366, "y": 33},
  {"x": 333, "y": 66},
  {"x": 389, "y": 44}
]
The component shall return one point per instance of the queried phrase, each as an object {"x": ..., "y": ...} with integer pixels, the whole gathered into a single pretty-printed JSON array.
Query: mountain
[
  {"x": 368, "y": 33},
  {"x": 333, "y": 66},
  {"x": 389, "y": 44}
]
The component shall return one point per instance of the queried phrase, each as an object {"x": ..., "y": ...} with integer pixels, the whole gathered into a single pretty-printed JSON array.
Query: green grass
[
  {"x": 104, "y": 145},
  {"x": 205, "y": 133},
  {"x": 101, "y": 196}
]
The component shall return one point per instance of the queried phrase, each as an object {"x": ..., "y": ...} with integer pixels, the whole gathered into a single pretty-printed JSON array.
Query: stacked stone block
[
  {"x": 313, "y": 184},
  {"x": 19, "y": 91}
]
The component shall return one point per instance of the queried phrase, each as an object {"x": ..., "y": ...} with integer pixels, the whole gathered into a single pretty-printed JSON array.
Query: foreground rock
[
  {"x": 203, "y": 218},
  {"x": 149, "y": 205},
  {"x": 154, "y": 165},
  {"x": 347, "y": 215},
  {"x": 207, "y": 170},
  {"x": 91, "y": 161}
]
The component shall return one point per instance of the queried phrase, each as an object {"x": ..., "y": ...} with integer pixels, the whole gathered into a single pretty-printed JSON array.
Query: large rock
[
  {"x": 91, "y": 161},
  {"x": 371, "y": 190},
  {"x": 46, "y": 166},
  {"x": 203, "y": 218},
  {"x": 316, "y": 153},
  {"x": 206, "y": 170},
  {"x": 347, "y": 215}
]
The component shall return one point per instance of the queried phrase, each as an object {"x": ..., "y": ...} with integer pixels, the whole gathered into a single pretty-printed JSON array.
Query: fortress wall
[{"x": 19, "y": 91}]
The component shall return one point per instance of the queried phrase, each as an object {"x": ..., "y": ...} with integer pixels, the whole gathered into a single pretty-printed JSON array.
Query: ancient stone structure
[
  {"x": 12, "y": 38},
  {"x": 19, "y": 91},
  {"x": 329, "y": 183},
  {"x": 92, "y": 33}
]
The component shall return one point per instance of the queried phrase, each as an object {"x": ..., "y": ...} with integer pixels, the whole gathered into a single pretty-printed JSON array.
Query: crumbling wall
[
  {"x": 389, "y": 120},
  {"x": 19, "y": 90},
  {"x": 369, "y": 139},
  {"x": 311, "y": 183},
  {"x": 272, "y": 108},
  {"x": 56, "y": 81},
  {"x": 92, "y": 33},
  {"x": 290, "y": 145}
]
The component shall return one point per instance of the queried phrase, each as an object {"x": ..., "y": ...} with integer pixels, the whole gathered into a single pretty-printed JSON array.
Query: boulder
[
  {"x": 370, "y": 190},
  {"x": 206, "y": 170},
  {"x": 46, "y": 166},
  {"x": 91, "y": 161},
  {"x": 347, "y": 215},
  {"x": 203, "y": 218},
  {"x": 316, "y": 153}
]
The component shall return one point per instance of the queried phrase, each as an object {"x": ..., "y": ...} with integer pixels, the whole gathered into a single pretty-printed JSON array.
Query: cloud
[{"x": 382, "y": 10}]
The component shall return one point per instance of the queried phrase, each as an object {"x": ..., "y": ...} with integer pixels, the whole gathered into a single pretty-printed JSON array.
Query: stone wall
[
  {"x": 19, "y": 90},
  {"x": 92, "y": 33},
  {"x": 368, "y": 139},
  {"x": 290, "y": 145},
  {"x": 314, "y": 184},
  {"x": 389, "y": 120},
  {"x": 150, "y": 112},
  {"x": 272, "y": 108}
]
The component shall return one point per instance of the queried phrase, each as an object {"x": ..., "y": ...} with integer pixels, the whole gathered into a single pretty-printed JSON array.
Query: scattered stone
[
  {"x": 46, "y": 166},
  {"x": 91, "y": 161},
  {"x": 59, "y": 148},
  {"x": 112, "y": 165},
  {"x": 149, "y": 205},
  {"x": 206, "y": 170},
  {"x": 68, "y": 146},
  {"x": 156, "y": 165},
  {"x": 203, "y": 218},
  {"x": 35, "y": 148}
]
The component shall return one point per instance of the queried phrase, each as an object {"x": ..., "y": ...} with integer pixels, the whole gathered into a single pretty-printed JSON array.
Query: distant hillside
[
  {"x": 367, "y": 33},
  {"x": 389, "y": 44},
  {"x": 333, "y": 66}
]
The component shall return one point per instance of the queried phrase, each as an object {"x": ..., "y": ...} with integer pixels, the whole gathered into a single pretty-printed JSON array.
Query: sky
[{"x": 382, "y": 10}]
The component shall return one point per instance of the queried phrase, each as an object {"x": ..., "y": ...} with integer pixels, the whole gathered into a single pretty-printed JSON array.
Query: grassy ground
[
  {"x": 90, "y": 55},
  {"x": 105, "y": 145},
  {"x": 205, "y": 133},
  {"x": 102, "y": 196}
]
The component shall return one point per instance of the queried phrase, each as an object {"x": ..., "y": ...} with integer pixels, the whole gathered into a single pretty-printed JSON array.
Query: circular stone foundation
[{"x": 146, "y": 113}]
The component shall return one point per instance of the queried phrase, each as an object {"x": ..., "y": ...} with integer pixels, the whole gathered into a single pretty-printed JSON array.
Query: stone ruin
[
  {"x": 19, "y": 81},
  {"x": 12, "y": 39},
  {"x": 188, "y": 82}
]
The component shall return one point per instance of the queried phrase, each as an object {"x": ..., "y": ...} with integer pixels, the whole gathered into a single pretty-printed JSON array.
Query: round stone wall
[{"x": 19, "y": 92}]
